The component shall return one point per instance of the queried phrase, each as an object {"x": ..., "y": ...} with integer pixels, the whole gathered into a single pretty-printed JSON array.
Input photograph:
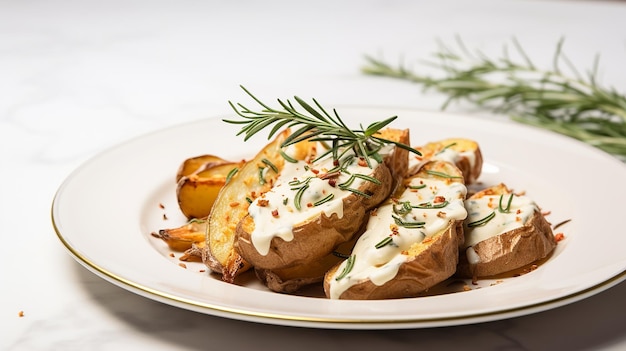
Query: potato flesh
[{"x": 196, "y": 193}]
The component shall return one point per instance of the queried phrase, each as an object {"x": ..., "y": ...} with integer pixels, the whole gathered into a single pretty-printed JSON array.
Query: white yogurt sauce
[
  {"x": 380, "y": 265},
  {"x": 447, "y": 154},
  {"x": 520, "y": 210},
  {"x": 276, "y": 212}
]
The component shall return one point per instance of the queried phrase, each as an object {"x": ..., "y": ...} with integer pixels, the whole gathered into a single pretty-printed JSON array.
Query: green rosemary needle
[
  {"x": 348, "y": 267},
  {"x": 324, "y": 200},
  {"x": 561, "y": 100},
  {"x": 315, "y": 124},
  {"x": 386, "y": 241},
  {"x": 482, "y": 221},
  {"x": 231, "y": 174},
  {"x": 443, "y": 175},
  {"x": 508, "y": 205},
  {"x": 409, "y": 225}
]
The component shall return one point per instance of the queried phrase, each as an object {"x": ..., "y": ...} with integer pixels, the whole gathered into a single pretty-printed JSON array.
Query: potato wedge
[
  {"x": 318, "y": 226},
  {"x": 253, "y": 179},
  {"x": 193, "y": 164},
  {"x": 411, "y": 241},
  {"x": 464, "y": 153},
  {"x": 504, "y": 232},
  {"x": 182, "y": 238},
  {"x": 196, "y": 193}
]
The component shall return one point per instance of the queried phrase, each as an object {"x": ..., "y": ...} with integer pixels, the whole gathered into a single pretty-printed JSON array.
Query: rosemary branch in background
[
  {"x": 569, "y": 103},
  {"x": 315, "y": 124}
]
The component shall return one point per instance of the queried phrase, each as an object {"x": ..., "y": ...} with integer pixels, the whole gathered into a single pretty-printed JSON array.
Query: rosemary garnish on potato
[
  {"x": 314, "y": 124},
  {"x": 482, "y": 221},
  {"x": 561, "y": 100},
  {"x": 348, "y": 267},
  {"x": 508, "y": 204}
]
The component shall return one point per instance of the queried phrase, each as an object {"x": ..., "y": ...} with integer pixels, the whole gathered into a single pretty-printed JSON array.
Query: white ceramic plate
[{"x": 105, "y": 211}]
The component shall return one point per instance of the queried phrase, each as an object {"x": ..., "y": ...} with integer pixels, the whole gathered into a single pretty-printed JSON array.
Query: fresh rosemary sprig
[
  {"x": 566, "y": 102},
  {"x": 314, "y": 124}
]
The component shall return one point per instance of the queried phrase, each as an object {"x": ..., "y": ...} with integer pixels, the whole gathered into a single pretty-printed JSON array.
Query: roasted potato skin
[{"x": 290, "y": 280}]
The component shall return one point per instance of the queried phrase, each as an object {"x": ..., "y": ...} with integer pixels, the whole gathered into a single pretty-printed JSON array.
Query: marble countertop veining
[{"x": 78, "y": 77}]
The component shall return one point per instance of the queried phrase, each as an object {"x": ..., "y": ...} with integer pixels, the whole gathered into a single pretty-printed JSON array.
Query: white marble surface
[{"x": 77, "y": 77}]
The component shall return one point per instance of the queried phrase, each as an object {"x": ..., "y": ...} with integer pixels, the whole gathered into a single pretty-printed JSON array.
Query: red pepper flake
[
  {"x": 315, "y": 171},
  {"x": 559, "y": 237},
  {"x": 309, "y": 204},
  {"x": 164, "y": 217},
  {"x": 519, "y": 210},
  {"x": 362, "y": 162},
  {"x": 156, "y": 235},
  {"x": 332, "y": 182},
  {"x": 182, "y": 265},
  {"x": 20, "y": 314},
  {"x": 202, "y": 270},
  {"x": 275, "y": 213},
  {"x": 263, "y": 202},
  {"x": 161, "y": 206},
  {"x": 439, "y": 199},
  {"x": 172, "y": 254}
]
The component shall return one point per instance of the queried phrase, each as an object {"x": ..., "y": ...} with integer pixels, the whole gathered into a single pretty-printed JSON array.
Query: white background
[{"x": 77, "y": 77}]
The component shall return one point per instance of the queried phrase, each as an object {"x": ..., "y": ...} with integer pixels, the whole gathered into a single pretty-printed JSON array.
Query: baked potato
[
  {"x": 411, "y": 242},
  {"x": 504, "y": 231},
  {"x": 464, "y": 153},
  {"x": 196, "y": 192},
  {"x": 313, "y": 208}
]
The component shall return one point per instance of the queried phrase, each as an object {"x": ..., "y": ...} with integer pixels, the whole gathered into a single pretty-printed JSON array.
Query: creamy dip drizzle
[
  {"x": 380, "y": 265},
  {"x": 520, "y": 210},
  {"x": 447, "y": 154},
  {"x": 275, "y": 213}
]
